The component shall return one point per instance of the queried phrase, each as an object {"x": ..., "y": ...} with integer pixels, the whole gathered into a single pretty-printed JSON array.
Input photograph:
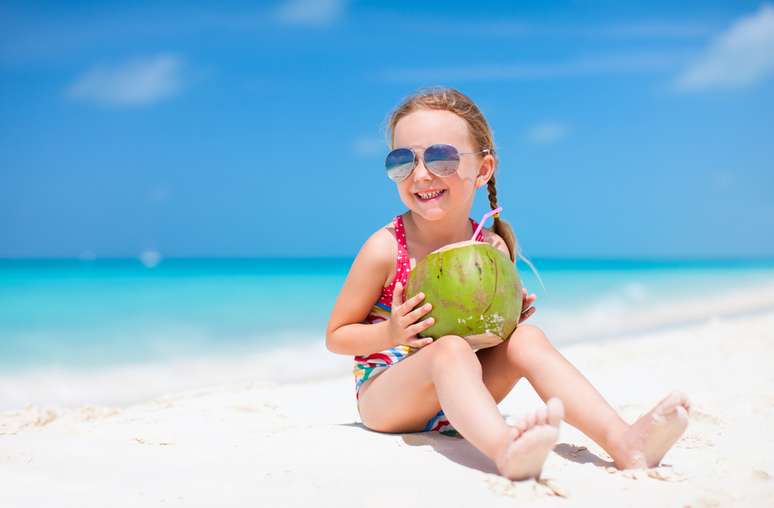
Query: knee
[
  {"x": 526, "y": 344},
  {"x": 452, "y": 348}
]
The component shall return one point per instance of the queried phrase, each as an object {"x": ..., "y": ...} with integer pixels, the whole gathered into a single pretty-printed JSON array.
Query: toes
[
  {"x": 551, "y": 414},
  {"x": 686, "y": 403},
  {"x": 541, "y": 434},
  {"x": 671, "y": 402},
  {"x": 683, "y": 403},
  {"x": 541, "y": 416},
  {"x": 555, "y": 411},
  {"x": 520, "y": 423},
  {"x": 677, "y": 398},
  {"x": 526, "y": 422},
  {"x": 524, "y": 457}
]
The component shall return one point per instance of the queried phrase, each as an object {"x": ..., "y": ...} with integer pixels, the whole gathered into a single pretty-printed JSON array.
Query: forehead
[{"x": 426, "y": 127}]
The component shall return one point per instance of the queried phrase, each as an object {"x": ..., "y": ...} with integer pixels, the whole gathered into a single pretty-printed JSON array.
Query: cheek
[
  {"x": 462, "y": 185},
  {"x": 467, "y": 178},
  {"x": 405, "y": 194}
]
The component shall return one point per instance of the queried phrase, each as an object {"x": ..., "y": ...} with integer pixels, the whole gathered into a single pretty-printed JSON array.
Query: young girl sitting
[{"x": 442, "y": 152}]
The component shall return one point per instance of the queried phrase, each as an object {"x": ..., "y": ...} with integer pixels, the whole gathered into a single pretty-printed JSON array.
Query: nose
[{"x": 421, "y": 172}]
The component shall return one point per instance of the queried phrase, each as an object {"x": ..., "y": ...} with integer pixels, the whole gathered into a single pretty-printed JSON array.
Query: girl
[{"x": 442, "y": 152}]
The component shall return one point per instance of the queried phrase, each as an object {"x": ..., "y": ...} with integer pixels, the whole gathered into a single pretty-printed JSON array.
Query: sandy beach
[{"x": 302, "y": 444}]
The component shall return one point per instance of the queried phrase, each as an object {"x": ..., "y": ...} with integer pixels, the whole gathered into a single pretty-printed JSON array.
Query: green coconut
[{"x": 475, "y": 291}]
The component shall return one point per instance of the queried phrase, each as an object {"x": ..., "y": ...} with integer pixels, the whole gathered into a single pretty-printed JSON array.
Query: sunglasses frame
[{"x": 416, "y": 159}]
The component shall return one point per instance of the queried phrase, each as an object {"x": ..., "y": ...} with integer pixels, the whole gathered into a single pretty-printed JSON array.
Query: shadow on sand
[
  {"x": 462, "y": 452},
  {"x": 581, "y": 455}
]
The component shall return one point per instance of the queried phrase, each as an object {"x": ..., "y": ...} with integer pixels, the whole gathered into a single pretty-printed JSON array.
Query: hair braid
[
  {"x": 501, "y": 227},
  {"x": 492, "y": 191}
]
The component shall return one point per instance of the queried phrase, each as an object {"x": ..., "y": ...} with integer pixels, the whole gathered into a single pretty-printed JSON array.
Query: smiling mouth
[{"x": 429, "y": 196}]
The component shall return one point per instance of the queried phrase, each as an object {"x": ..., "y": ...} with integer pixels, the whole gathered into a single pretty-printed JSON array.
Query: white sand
[{"x": 265, "y": 445}]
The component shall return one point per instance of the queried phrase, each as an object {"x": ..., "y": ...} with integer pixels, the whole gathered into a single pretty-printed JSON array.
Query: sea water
[{"x": 63, "y": 321}]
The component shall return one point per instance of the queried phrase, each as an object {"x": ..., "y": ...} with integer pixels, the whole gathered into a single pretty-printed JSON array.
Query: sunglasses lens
[
  {"x": 399, "y": 164},
  {"x": 443, "y": 160}
]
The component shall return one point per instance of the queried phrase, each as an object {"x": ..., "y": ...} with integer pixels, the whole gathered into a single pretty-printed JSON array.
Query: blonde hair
[{"x": 449, "y": 99}]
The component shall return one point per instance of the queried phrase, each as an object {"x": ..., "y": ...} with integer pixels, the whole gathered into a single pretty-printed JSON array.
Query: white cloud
[
  {"x": 741, "y": 56},
  {"x": 137, "y": 82},
  {"x": 615, "y": 63},
  {"x": 367, "y": 146},
  {"x": 510, "y": 27},
  {"x": 310, "y": 12},
  {"x": 651, "y": 29},
  {"x": 546, "y": 133}
]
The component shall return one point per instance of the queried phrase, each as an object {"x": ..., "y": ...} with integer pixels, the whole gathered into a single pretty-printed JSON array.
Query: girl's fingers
[
  {"x": 415, "y": 314},
  {"x": 421, "y": 326},
  {"x": 420, "y": 342},
  {"x": 526, "y": 300},
  {"x": 527, "y": 303},
  {"x": 409, "y": 304},
  {"x": 528, "y": 314},
  {"x": 413, "y": 301},
  {"x": 397, "y": 293}
]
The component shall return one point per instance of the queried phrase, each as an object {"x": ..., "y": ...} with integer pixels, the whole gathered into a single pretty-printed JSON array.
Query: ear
[{"x": 485, "y": 170}]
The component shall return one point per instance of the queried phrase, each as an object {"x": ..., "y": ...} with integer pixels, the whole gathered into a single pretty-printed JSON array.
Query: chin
[{"x": 432, "y": 215}]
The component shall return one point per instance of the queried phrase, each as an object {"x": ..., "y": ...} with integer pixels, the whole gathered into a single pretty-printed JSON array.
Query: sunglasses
[{"x": 441, "y": 160}]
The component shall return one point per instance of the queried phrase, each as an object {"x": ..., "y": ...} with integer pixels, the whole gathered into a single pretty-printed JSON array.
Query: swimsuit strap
[{"x": 403, "y": 261}]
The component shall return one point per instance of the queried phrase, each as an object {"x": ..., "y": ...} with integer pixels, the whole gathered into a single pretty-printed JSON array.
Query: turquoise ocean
[{"x": 66, "y": 325}]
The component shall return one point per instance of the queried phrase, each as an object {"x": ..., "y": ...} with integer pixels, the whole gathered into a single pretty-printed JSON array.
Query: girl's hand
[
  {"x": 402, "y": 326},
  {"x": 526, "y": 309}
]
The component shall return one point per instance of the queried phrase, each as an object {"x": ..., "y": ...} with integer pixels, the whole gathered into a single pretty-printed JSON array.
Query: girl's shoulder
[{"x": 381, "y": 246}]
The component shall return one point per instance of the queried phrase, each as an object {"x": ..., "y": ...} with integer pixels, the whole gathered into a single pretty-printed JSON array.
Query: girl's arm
[{"x": 346, "y": 334}]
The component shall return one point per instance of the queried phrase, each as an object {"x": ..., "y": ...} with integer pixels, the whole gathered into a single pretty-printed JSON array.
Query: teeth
[{"x": 429, "y": 195}]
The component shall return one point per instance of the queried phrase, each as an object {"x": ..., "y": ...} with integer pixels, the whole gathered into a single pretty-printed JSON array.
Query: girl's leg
[
  {"x": 447, "y": 374},
  {"x": 530, "y": 354}
]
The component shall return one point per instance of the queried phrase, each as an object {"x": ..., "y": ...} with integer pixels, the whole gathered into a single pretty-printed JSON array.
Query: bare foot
[
  {"x": 532, "y": 438},
  {"x": 646, "y": 441}
]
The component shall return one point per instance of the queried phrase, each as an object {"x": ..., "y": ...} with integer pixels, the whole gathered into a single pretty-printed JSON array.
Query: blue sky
[{"x": 244, "y": 129}]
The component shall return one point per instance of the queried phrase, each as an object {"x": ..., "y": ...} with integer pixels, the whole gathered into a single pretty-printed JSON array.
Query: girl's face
[{"x": 423, "y": 128}]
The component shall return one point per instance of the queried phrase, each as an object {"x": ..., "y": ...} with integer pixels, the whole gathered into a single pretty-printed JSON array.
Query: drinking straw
[{"x": 484, "y": 218}]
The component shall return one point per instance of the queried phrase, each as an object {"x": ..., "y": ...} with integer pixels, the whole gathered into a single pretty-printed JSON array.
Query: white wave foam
[
  {"x": 633, "y": 309},
  {"x": 127, "y": 384}
]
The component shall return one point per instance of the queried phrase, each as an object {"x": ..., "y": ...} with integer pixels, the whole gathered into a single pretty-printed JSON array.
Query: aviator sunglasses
[{"x": 440, "y": 159}]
